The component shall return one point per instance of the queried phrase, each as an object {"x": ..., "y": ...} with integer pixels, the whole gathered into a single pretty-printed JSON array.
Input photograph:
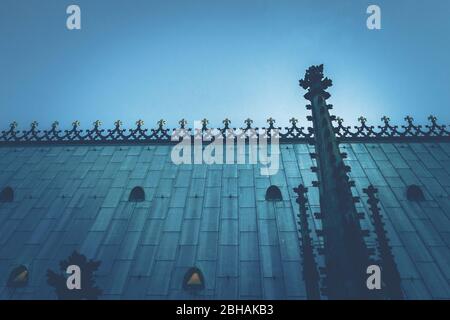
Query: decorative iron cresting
[{"x": 161, "y": 134}]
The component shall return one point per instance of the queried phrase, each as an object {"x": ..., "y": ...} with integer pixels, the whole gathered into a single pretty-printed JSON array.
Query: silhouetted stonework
[
  {"x": 72, "y": 190},
  {"x": 290, "y": 134}
]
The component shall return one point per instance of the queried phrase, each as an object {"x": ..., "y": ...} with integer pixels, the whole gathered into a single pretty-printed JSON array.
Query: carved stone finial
[
  {"x": 55, "y": 124},
  {"x": 118, "y": 123},
  {"x": 315, "y": 83},
  {"x": 205, "y": 122},
  {"x": 293, "y": 121},
  {"x": 385, "y": 119},
  {"x": 13, "y": 125},
  {"x": 432, "y": 118},
  {"x": 226, "y": 122},
  {"x": 161, "y": 123},
  {"x": 271, "y": 121},
  {"x": 76, "y": 123},
  {"x": 339, "y": 120},
  {"x": 140, "y": 123},
  {"x": 34, "y": 124},
  {"x": 97, "y": 123},
  {"x": 362, "y": 120},
  {"x": 182, "y": 123},
  {"x": 409, "y": 119}
]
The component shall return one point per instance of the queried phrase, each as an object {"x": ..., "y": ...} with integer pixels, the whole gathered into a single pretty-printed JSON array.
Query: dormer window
[
  {"x": 273, "y": 193},
  {"x": 193, "y": 280},
  {"x": 137, "y": 195},
  {"x": 7, "y": 195},
  {"x": 414, "y": 193},
  {"x": 18, "y": 277}
]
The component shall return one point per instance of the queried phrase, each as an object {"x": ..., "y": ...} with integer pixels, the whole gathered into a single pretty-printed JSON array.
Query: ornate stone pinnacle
[
  {"x": 432, "y": 118},
  {"x": 97, "y": 123},
  {"x": 76, "y": 123},
  {"x": 205, "y": 122},
  {"x": 293, "y": 121},
  {"x": 55, "y": 124},
  {"x": 226, "y": 122},
  {"x": 140, "y": 123},
  {"x": 385, "y": 119},
  {"x": 362, "y": 119},
  {"x": 118, "y": 123},
  {"x": 315, "y": 83},
  {"x": 13, "y": 125},
  {"x": 271, "y": 121},
  {"x": 34, "y": 124}
]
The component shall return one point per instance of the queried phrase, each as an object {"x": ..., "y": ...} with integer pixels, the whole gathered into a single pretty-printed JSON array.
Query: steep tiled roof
[{"x": 213, "y": 217}]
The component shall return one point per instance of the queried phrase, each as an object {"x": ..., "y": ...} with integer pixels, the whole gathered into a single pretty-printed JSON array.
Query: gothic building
[{"x": 143, "y": 227}]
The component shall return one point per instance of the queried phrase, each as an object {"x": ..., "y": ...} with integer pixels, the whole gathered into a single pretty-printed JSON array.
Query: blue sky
[{"x": 190, "y": 59}]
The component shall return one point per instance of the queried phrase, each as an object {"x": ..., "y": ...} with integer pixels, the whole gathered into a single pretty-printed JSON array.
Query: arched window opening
[
  {"x": 414, "y": 193},
  {"x": 193, "y": 280},
  {"x": 7, "y": 195},
  {"x": 18, "y": 277},
  {"x": 273, "y": 193},
  {"x": 137, "y": 195}
]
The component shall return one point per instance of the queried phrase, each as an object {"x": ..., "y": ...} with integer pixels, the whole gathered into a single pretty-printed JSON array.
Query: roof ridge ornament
[
  {"x": 363, "y": 132},
  {"x": 293, "y": 121},
  {"x": 183, "y": 122},
  {"x": 161, "y": 123},
  {"x": 226, "y": 123}
]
